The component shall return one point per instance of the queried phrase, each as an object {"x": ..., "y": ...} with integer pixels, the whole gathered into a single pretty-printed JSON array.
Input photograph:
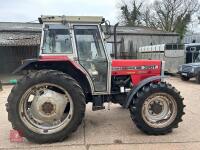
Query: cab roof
[{"x": 72, "y": 19}]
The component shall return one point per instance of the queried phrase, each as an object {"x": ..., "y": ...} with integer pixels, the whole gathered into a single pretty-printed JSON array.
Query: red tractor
[{"x": 73, "y": 69}]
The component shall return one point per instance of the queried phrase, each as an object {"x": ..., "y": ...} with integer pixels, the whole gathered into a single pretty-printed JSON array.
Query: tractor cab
[{"x": 81, "y": 40}]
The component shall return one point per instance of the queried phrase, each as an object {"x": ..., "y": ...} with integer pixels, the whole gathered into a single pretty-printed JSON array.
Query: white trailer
[{"x": 172, "y": 54}]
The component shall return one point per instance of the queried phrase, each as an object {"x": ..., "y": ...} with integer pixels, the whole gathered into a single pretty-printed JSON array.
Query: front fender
[{"x": 140, "y": 85}]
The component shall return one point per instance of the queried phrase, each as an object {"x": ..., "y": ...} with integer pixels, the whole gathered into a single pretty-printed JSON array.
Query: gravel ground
[{"x": 113, "y": 129}]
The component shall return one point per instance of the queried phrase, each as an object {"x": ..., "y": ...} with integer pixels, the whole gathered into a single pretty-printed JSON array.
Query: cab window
[{"x": 57, "y": 40}]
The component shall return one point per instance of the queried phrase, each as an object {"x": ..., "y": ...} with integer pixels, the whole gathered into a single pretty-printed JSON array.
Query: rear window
[{"x": 57, "y": 39}]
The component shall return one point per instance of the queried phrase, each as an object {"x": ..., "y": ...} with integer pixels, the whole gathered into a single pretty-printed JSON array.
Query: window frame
[
  {"x": 44, "y": 37},
  {"x": 70, "y": 55},
  {"x": 108, "y": 61},
  {"x": 103, "y": 46}
]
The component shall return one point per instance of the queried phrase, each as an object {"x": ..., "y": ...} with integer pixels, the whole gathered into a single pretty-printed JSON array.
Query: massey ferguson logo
[{"x": 136, "y": 68}]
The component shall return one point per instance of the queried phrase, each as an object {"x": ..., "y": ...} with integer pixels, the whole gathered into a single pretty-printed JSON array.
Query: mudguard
[
  {"x": 140, "y": 85},
  {"x": 26, "y": 63},
  {"x": 57, "y": 63}
]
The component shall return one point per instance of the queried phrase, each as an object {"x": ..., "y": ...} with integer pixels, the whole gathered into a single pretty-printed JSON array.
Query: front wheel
[
  {"x": 198, "y": 78},
  {"x": 185, "y": 78},
  {"x": 46, "y": 106},
  {"x": 157, "y": 108}
]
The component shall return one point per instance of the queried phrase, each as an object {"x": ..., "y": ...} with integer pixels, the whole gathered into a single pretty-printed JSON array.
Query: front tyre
[
  {"x": 157, "y": 109},
  {"x": 184, "y": 78},
  {"x": 198, "y": 78},
  {"x": 46, "y": 106}
]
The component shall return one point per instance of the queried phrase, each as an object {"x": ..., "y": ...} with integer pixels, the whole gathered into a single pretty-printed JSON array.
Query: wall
[
  {"x": 11, "y": 57},
  {"x": 133, "y": 42},
  {"x": 193, "y": 38}
]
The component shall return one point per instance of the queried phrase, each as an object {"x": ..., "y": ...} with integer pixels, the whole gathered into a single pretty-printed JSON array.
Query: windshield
[{"x": 57, "y": 39}]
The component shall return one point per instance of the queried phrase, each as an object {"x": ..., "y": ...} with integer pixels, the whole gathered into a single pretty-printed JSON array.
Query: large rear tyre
[
  {"x": 46, "y": 106},
  {"x": 157, "y": 109}
]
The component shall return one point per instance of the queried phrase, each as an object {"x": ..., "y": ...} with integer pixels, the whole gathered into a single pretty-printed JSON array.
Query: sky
[{"x": 30, "y": 10}]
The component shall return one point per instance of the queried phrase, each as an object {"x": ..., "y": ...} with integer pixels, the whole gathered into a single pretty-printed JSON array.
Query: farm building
[
  {"x": 130, "y": 39},
  {"x": 192, "y": 38},
  {"x": 20, "y": 41}
]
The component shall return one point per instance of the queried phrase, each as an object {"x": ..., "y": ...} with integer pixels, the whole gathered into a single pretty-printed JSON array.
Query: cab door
[{"x": 91, "y": 55}]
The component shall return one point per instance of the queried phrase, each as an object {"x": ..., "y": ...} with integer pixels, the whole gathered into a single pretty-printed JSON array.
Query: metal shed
[
  {"x": 131, "y": 38},
  {"x": 192, "y": 38},
  {"x": 20, "y": 41}
]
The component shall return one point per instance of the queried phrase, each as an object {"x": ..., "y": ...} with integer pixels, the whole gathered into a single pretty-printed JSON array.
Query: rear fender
[
  {"x": 27, "y": 64},
  {"x": 69, "y": 67},
  {"x": 31, "y": 64},
  {"x": 139, "y": 86}
]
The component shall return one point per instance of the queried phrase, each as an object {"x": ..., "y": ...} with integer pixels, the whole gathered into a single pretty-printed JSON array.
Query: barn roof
[
  {"x": 19, "y": 39},
  {"x": 18, "y": 26},
  {"x": 27, "y": 34},
  {"x": 124, "y": 30},
  {"x": 19, "y": 34}
]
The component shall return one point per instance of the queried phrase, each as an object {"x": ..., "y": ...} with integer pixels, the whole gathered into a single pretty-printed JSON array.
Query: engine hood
[
  {"x": 133, "y": 62},
  {"x": 129, "y": 66}
]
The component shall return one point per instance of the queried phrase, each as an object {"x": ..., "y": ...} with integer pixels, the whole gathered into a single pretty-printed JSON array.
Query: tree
[
  {"x": 166, "y": 15},
  {"x": 171, "y": 15},
  {"x": 131, "y": 16}
]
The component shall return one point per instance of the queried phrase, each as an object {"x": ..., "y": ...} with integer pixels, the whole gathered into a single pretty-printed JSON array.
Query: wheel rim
[
  {"x": 46, "y": 108},
  {"x": 159, "y": 110}
]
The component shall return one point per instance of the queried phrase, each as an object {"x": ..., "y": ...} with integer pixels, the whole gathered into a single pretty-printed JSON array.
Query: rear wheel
[
  {"x": 46, "y": 106},
  {"x": 185, "y": 78},
  {"x": 157, "y": 109}
]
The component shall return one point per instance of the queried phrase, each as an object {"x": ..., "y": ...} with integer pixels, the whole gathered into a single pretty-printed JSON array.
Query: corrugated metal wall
[
  {"x": 12, "y": 56},
  {"x": 130, "y": 43}
]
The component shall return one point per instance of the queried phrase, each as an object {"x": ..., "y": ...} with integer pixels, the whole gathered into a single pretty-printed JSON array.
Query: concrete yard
[{"x": 113, "y": 129}]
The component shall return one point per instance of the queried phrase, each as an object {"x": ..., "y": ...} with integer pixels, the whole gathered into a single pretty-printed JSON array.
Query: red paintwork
[
  {"x": 137, "y": 75},
  {"x": 58, "y": 58},
  {"x": 54, "y": 58}
]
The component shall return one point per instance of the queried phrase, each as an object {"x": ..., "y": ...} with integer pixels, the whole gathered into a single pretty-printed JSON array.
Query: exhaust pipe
[{"x": 115, "y": 40}]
